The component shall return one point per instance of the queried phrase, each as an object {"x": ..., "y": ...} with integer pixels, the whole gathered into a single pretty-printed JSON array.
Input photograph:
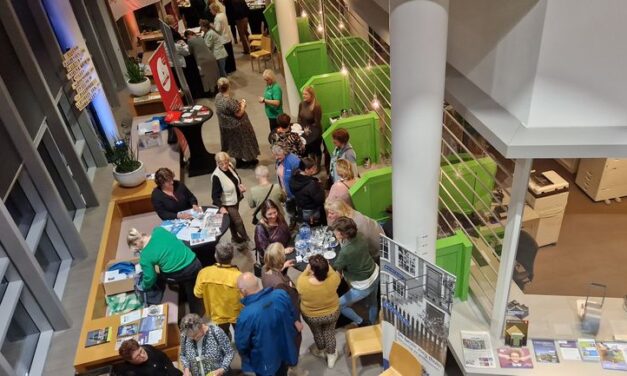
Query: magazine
[
  {"x": 588, "y": 350},
  {"x": 151, "y": 323},
  {"x": 516, "y": 332},
  {"x": 120, "y": 340},
  {"x": 477, "y": 349},
  {"x": 98, "y": 336},
  {"x": 510, "y": 357},
  {"x": 613, "y": 355},
  {"x": 568, "y": 349},
  {"x": 545, "y": 351},
  {"x": 127, "y": 330}
]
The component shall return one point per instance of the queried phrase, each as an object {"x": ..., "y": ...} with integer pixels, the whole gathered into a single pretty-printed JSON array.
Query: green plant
[
  {"x": 122, "y": 157},
  {"x": 134, "y": 72}
]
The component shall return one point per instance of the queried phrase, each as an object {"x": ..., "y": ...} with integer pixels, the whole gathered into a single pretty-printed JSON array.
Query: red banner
[{"x": 164, "y": 79}]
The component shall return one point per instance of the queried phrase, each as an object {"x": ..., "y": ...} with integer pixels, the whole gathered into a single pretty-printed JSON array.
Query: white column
[
  {"x": 510, "y": 244},
  {"x": 288, "y": 34},
  {"x": 418, "y": 35}
]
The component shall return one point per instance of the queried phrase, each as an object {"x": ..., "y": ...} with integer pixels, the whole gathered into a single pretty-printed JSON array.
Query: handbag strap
[{"x": 264, "y": 200}]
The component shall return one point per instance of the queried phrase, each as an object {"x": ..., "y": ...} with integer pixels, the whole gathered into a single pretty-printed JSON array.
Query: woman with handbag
[
  {"x": 205, "y": 348},
  {"x": 272, "y": 228}
]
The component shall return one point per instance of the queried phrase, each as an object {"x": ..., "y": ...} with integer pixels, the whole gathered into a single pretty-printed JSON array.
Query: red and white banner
[
  {"x": 164, "y": 79},
  {"x": 120, "y": 7}
]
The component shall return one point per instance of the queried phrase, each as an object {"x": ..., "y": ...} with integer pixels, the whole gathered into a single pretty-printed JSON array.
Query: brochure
[
  {"x": 613, "y": 355},
  {"x": 153, "y": 310},
  {"x": 568, "y": 349},
  {"x": 516, "y": 332},
  {"x": 477, "y": 349},
  {"x": 98, "y": 336},
  {"x": 120, "y": 340},
  {"x": 127, "y": 330},
  {"x": 588, "y": 350},
  {"x": 510, "y": 357},
  {"x": 545, "y": 350},
  {"x": 130, "y": 317}
]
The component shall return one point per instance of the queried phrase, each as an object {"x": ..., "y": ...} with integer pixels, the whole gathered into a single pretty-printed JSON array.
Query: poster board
[
  {"x": 416, "y": 302},
  {"x": 80, "y": 71},
  {"x": 164, "y": 79}
]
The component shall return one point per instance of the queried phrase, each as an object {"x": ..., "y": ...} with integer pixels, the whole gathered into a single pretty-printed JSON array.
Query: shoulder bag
[{"x": 255, "y": 220}]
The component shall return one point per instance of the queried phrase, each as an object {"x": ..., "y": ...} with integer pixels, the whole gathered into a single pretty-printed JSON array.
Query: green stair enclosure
[
  {"x": 274, "y": 35},
  {"x": 364, "y": 135},
  {"x": 372, "y": 193},
  {"x": 386, "y": 129},
  {"x": 333, "y": 94},
  {"x": 304, "y": 33},
  {"x": 270, "y": 15},
  {"x": 371, "y": 81},
  {"x": 351, "y": 51},
  {"x": 306, "y": 60},
  {"x": 453, "y": 255},
  {"x": 466, "y": 185}
]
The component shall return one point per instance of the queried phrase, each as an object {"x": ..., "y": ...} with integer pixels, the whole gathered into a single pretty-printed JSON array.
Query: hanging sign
[
  {"x": 416, "y": 300},
  {"x": 80, "y": 70},
  {"x": 164, "y": 79}
]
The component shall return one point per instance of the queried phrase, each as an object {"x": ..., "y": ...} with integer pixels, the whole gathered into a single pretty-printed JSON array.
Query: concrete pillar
[
  {"x": 418, "y": 35},
  {"x": 288, "y": 34}
]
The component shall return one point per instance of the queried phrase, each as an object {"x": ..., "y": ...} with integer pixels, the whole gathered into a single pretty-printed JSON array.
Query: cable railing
[{"x": 475, "y": 180}]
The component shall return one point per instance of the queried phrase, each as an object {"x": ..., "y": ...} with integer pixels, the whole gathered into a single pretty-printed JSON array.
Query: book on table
[{"x": 98, "y": 336}]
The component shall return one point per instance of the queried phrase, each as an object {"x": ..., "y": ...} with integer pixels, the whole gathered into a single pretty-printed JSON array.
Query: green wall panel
[
  {"x": 466, "y": 187},
  {"x": 333, "y": 94},
  {"x": 453, "y": 255},
  {"x": 270, "y": 15},
  {"x": 352, "y": 51},
  {"x": 370, "y": 81},
  {"x": 372, "y": 193},
  {"x": 364, "y": 135},
  {"x": 274, "y": 35},
  {"x": 306, "y": 60},
  {"x": 304, "y": 32}
]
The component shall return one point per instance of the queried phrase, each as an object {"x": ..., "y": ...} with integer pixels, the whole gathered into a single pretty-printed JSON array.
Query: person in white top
[{"x": 221, "y": 25}]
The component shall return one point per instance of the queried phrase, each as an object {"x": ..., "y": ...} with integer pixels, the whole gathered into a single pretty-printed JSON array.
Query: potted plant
[
  {"x": 136, "y": 81},
  {"x": 128, "y": 171}
]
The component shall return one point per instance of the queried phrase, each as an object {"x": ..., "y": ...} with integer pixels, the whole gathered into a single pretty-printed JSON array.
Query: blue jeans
[
  {"x": 353, "y": 296},
  {"x": 222, "y": 66}
]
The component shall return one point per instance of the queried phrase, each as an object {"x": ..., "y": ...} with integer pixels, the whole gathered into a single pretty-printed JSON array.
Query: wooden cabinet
[{"x": 603, "y": 178}]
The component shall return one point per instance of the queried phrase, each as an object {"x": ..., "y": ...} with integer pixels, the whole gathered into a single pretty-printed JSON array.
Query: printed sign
[
  {"x": 164, "y": 79},
  {"x": 416, "y": 300},
  {"x": 81, "y": 71}
]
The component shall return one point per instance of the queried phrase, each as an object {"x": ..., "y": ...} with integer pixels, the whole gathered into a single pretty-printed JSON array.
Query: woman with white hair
[
  {"x": 237, "y": 136},
  {"x": 272, "y": 98},
  {"x": 227, "y": 191},
  {"x": 205, "y": 348},
  {"x": 264, "y": 190},
  {"x": 221, "y": 25}
]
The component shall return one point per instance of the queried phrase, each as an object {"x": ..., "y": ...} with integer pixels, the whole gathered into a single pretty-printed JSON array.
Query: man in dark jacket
[
  {"x": 308, "y": 193},
  {"x": 266, "y": 329},
  {"x": 143, "y": 361}
]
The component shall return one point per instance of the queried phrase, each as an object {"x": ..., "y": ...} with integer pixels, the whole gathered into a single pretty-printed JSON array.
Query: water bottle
[
  {"x": 301, "y": 247},
  {"x": 304, "y": 232}
]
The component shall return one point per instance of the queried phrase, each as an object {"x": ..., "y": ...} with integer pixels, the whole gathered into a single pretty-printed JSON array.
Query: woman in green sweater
[
  {"x": 175, "y": 260},
  {"x": 358, "y": 269}
]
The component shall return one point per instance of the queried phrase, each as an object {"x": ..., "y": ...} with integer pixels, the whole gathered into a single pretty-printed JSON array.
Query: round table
[
  {"x": 201, "y": 162},
  {"x": 205, "y": 252}
]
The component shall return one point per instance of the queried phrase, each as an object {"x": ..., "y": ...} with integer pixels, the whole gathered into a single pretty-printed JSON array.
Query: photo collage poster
[{"x": 416, "y": 303}]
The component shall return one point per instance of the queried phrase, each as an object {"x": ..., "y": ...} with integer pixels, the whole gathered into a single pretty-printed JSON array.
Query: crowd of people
[{"x": 263, "y": 314}]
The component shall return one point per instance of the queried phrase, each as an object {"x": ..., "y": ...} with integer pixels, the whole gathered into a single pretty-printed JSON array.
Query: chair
[
  {"x": 363, "y": 341},
  {"x": 402, "y": 362},
  {"x": 265, "y": 53}
]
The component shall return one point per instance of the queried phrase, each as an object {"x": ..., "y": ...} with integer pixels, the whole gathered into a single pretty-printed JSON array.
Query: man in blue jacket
[
  {"x": 266, "y": 329},
  {"x": 286, "y": 164}
]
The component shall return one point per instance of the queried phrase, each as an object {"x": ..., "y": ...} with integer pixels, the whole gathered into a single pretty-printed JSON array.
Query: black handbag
[
  {"x": 259, "y": 253},
  {"x": 255, "y": 220}
]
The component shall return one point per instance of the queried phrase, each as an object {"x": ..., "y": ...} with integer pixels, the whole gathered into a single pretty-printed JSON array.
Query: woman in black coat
[
  {"x": 308, "y": 193},
  {"x": 170, "y": 197}
]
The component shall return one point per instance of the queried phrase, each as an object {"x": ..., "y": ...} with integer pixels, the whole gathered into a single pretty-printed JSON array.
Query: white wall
[
  {"x": 582, "y": 72},
  {"x": 496, "y": 45}
]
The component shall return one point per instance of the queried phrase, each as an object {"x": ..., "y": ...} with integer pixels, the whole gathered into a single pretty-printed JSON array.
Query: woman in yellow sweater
[{"x": 320, "y": 306}]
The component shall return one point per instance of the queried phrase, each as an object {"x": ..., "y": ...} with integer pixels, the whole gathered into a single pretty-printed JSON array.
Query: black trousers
[{"x": 186, "y": 279}]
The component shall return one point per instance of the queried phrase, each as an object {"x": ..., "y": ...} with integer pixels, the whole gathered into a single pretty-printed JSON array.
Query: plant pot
[
  {"x": 131, "y": 179},
  {"x": 139, "y": 89}
]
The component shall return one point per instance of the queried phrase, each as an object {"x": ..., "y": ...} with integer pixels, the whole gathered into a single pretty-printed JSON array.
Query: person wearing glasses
[
  {"x": 143, "y": 360},
  {"x": 171, "y": 197},
  {"x": 205, "y": 348},
  {"x": 176, "y": 262},
  {"x": 227, "y": 191}
]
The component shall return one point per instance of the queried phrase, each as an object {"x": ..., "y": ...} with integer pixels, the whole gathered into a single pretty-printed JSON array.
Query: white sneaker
[
  {"x": 332, "y": 358},
  {"x": 316, "y": 352}
]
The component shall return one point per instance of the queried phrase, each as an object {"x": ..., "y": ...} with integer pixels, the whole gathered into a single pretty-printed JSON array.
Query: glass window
[
  {"x": 56, "y": 177},
  {"x": 48, "y": 259},
  {"x": 3, "y": 287},
  {"x": 21, "y": 341},
  {"x": 20, "y": 209}
]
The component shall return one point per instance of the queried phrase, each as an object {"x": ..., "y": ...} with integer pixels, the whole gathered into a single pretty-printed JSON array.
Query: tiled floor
[{"x": 249, "y": 85}]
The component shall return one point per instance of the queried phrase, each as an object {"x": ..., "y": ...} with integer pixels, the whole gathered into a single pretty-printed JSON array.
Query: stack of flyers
[
  {"x": 545, "y": 350},
  {"x": 151, "y": 323},
  {"x": 568, "y": 349},
  {"x": 127, "y": 330},
  {"x": 613, "y": 355},
  {"x": 477, "y": 349},
  {"x": 515, "y": 357},
  {"x": 588, "y": 350},
  {"x": 120, "y": 340}
]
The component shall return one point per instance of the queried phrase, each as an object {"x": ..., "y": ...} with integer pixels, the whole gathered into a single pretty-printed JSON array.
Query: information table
[
  {"x": 106, "y": 353},
  {"x": 201, "y": 162}
]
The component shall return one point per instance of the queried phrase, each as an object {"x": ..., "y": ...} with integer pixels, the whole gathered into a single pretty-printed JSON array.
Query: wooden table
[
  {"x": 147, "y": 104},
  {"x": 145, "y": 38},
  {"x": 99, "y": 355}
]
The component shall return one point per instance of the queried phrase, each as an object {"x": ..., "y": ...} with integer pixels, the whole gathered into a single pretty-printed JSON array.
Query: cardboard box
[{"x": 118, "y": 286}]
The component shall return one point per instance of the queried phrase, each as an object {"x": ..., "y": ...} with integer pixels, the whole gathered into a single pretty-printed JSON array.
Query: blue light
[{"x": 68, "y": 35}]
